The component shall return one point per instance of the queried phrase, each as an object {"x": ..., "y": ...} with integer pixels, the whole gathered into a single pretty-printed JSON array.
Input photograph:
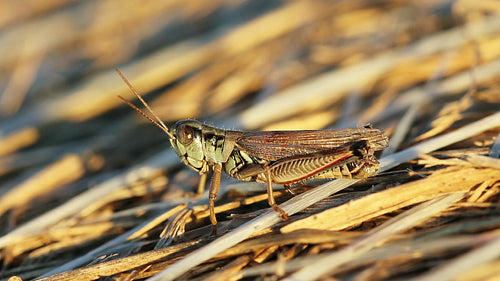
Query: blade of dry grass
[
  {"x": 65, "y": 170},
  {"x": 377, "y": 236},
  {"x": 489, "y": 271},
  {"x": 404, "y": 246},
  {"x": 444, "y": 181},
  {"x": 154, "y": 222},
  {"x": 94, "y": 253},
  {"x": 495, "y": 149},
  {"x": 98, "y": 94},
  {"x": 403, "y": 128},
  {"x": 332, "y": 86},
  {"x": 483, "y": 161},
  {"x": 454, "y": 268},
  {"x": 465, "y": 132},
  {"x": 116, "y": 266},
  {"x": 450, "y": 86},
  {"x": 18, "y": 140},
  {"x": 225, "y": 273},
  {"x": 151, "y": 166},
  {"x": 308, "y": 198}
]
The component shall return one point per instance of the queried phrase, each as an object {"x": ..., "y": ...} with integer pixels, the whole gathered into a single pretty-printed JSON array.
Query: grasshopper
[{"x": 283, "y": 157}]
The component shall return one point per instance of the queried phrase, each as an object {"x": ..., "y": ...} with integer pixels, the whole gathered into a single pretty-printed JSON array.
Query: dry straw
[{"x": 88, "y": 191}]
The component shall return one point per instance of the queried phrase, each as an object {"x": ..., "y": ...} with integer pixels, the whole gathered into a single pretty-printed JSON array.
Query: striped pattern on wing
[{"x": 275, "y": 145}]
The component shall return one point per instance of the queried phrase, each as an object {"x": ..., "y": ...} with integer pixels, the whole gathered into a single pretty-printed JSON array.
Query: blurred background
[{"x": 249, "y": 65}]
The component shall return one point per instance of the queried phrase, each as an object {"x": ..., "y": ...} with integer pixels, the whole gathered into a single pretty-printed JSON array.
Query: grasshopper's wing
[{"x": 275, "y": 145}]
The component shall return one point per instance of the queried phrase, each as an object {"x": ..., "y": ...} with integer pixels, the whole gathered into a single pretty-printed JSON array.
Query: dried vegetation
[{"x": 89, "y": 190}]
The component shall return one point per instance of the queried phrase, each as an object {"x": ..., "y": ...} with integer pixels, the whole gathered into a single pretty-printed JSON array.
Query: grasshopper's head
[
  {"x": 186, "y": 137},
  {"x": 187, "y": 142}
]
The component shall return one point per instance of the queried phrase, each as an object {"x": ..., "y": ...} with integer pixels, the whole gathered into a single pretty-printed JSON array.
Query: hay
[{"x": 90, "y": 191}]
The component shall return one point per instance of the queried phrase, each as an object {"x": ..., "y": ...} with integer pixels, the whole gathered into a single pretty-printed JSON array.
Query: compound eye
[{"x": 185, "y": 134}]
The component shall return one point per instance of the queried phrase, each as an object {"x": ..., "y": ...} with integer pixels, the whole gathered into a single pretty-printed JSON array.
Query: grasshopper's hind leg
[
  {"x": 212, "y": 194},
  {"x": 270, "y": 196}
]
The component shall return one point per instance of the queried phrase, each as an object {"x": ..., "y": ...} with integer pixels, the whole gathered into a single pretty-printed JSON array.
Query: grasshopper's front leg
[{"x": 212, "y": 194}]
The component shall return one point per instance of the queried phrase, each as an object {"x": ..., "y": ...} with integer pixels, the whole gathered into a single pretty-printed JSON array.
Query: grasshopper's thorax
[{"x": 198, "y": 145}]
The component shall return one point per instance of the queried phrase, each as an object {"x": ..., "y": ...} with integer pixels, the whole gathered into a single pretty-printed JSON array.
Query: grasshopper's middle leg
[
  {"x": 270, "y": 196},
  {"x": 212, "y": 194},
  {"x": 201, "y": 186}
]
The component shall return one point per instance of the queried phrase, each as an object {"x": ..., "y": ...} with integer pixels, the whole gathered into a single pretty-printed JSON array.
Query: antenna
[{"x": 158, "y": 121}]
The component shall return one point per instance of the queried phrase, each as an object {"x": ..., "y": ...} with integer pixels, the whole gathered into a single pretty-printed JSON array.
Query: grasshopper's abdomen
[
  {"x": 323, "y": 166},
  {"x": 353, "y": 168},
  {"x": 244, "y": 166}
]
